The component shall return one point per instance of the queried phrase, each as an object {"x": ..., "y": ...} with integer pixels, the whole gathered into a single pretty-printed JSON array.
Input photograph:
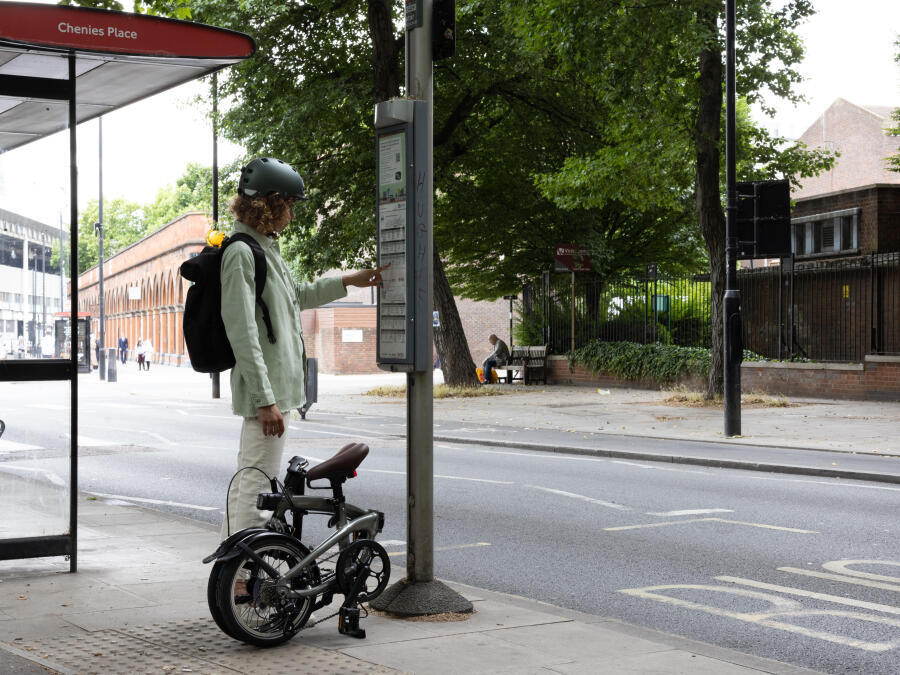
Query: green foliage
[
  {"x": 631, "y": 361},
  {"x": 661, "y": 363},
  {"x": 528, "y": 329},
  {"x": 126, "y": 222}
]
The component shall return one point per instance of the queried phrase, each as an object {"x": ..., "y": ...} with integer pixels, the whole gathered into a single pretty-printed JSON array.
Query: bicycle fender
[{"x": 228, "y": 548}]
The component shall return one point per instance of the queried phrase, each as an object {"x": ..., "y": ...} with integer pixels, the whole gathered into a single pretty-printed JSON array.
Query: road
[{"x": 799, "y": 569}]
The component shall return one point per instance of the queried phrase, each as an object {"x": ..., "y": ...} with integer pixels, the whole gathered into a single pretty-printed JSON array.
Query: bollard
[
  {"x": 312, "y": 386},
  {"x": 111, "y": 362}
]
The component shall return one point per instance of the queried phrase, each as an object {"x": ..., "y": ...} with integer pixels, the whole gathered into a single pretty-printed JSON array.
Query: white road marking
[
  {"x": 160, "y": 438},
  {"x": 688, "y": 512},
  {"x": 7, "y": 447},
  {"x": 709, "y": 520},
  {"x": 447, "y": 548},
  {"x": 90, "y": 441},
  {"x": 146, "y": 500},
  {"x": 392, "y": 542},
  {"x": 20, "y": 470},
  {"x": 837, "y": 599},
  {"x": 356, "y": 432},
  {"x": 840, "y": 577},
  {"x": 437, "y": 475},
  {"x": 783, "y": 608},
  {"x": 543, "y": 455},
  {"x": 840, "y": 567},
  {"x": 341, "y": 434},
  {"x": 584, "y": 498}
]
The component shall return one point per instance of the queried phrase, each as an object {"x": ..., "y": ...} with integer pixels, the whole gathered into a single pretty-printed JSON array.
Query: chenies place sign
[{"x": 86, "y": 29}]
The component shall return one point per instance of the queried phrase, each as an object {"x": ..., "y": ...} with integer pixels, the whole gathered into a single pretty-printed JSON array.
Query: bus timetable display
[{"x": 392, "y": 246}]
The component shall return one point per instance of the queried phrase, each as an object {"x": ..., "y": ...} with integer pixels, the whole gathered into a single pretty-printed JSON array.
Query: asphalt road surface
[{"x": 798, "y": 569}]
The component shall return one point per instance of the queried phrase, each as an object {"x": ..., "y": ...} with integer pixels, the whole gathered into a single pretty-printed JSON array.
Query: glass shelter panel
[{"x": 36, "y": 388}]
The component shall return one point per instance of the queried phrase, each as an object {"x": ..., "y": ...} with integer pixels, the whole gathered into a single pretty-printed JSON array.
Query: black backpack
[{"x": 204, "y": 331}]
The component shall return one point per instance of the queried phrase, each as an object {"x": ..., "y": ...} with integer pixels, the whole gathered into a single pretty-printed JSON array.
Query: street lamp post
[{"x": 98, "y": 229}]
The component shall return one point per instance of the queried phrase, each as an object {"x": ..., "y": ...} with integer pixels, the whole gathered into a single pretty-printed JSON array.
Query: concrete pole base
[{"x": 422, "y": 598}]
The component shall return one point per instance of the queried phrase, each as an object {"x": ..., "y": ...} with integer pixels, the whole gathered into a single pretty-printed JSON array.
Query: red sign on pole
[
  {"x": 95, "y": 30},
  {"x": 571, "y": 258}
]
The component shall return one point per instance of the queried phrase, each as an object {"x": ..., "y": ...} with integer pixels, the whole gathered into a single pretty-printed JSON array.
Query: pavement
[{"x": 137, "y": 603}]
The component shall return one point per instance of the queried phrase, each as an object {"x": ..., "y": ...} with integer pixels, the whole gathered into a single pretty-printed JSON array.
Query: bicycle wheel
[{"x": 245, "y": 598}]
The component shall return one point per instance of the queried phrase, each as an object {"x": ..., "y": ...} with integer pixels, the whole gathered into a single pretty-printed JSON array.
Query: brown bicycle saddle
[{"x": 341, "y": 465}]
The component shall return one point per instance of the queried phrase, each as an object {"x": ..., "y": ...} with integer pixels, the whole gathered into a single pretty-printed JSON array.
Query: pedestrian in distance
[
  {"x": 95, "y": 347},
  {"x": 123, "y": 348},
  {"x": 148, "y": 353},
  {"x": 139, "y": 352},
  {"x": 498, "y": 357},
  {"x": 47, "y": 345},
  {"x": 269, "y": 374}
]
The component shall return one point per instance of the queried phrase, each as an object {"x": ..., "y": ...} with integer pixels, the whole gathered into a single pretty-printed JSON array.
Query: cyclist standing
[{"x": 268, "y": 377}]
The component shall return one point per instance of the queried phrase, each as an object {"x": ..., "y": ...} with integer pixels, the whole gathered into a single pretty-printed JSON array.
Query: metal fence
[{"x": 838, "y": 310}]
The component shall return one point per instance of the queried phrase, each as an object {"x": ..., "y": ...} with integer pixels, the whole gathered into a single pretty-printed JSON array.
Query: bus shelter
[{"x": 60, "y": 66}]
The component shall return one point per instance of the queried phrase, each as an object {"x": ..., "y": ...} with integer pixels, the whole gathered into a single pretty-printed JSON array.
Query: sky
[{"x": 146, "y": 146}]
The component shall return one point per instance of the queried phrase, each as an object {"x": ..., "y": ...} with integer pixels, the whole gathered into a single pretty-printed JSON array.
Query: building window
[
  {"x": 834, "y": 232},
  {"x": 10, "y": 251}
]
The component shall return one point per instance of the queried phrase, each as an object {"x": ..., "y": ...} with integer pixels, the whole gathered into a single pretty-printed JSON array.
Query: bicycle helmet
[{"x": 265, "y": 175}]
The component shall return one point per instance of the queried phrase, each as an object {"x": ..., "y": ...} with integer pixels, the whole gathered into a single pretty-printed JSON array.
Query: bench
[{"x": 526, "y": 364}]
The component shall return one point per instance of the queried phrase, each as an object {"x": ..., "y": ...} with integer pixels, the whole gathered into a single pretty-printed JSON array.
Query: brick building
[
  {"x": 144, "y": 298},
  {"x": 855, "y": 207}
]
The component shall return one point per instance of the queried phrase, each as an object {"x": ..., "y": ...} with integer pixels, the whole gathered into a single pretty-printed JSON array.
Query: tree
[
  {"x": 661, "y": 65},
  {"x": 125, "y": 222}
]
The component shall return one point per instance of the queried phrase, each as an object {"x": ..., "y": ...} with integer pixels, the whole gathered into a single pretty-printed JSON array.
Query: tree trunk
[
  {"x": 709, "y": 205},
  {"x": 385, "y": 64},
  {"x": 450, "y": 338}
]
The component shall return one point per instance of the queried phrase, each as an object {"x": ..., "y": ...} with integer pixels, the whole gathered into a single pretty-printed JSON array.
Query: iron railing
[{"x": 836, "y": 310}]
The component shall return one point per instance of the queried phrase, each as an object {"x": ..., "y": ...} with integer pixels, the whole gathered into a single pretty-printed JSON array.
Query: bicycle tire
[{"x": 259, "y": 617}]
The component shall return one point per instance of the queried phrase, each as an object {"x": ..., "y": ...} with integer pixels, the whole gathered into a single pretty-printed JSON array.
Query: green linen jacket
[{"x": 266, "y": 373}]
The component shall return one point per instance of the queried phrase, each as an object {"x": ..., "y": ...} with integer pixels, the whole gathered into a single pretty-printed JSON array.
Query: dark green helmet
[{"x": 265, "y": 175}]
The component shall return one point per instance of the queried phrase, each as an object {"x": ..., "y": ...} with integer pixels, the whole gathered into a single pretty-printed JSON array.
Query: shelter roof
[{"x": 120, "y": 58}]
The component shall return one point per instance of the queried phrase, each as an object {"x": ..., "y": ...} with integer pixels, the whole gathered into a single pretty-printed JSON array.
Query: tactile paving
[{"x": 189, "y": 646}]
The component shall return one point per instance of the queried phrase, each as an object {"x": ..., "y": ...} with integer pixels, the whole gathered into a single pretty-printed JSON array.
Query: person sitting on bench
[{"x": 496, "y": 358}]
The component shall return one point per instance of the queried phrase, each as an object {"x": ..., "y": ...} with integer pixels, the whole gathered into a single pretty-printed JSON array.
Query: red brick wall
[
  {"x": 150, "y": 264},
  {"x": 878, "y": 378}
]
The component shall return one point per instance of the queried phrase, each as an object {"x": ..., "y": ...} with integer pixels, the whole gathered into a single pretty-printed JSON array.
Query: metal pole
[
  {"x": 73, "y": 318},
  {"x": 731, "y": 307},
  {"x": 216, "y": 386},
  {"x": 419, "y": 385},
  {"x": 101, "y": 341},
  {"x": 43, "y": 287}
]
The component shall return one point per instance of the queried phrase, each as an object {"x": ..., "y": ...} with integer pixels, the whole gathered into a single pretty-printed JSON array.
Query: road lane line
[
  {"x": 874, "y": 606},
  {"x": 437, "y": 475},
  {"x": 708, "y": 520},
  {"x": 584, "y": 498},
  {"x": 146, "y": 500},
  {"x": 840, "y": 577},
  {"x": 12, "y": 446},
  {"x": 783, "y": 608},
  {"x": 46, "y": 473},
  {"x": 688, "y": 512},
  {"x": 447, "y": 548},
  {"x": 840, "y": 567}
]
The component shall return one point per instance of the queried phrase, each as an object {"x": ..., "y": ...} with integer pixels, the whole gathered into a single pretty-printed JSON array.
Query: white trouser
[{"x": 260, "y": 451}]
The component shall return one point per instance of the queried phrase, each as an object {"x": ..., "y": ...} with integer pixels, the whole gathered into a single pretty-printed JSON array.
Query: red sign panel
[
  {"x": 97, "y": 30},
  {"x": 569, "y": 257}
]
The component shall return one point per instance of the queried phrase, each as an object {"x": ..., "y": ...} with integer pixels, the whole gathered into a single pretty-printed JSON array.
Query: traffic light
[
  {"x": 443, "y": 29},
  {"x": 764, "y": 219}
]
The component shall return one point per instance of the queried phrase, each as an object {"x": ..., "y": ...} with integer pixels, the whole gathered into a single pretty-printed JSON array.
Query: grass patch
[
  {"x": 695, "y": 399},
  {"x": 440, "y": 391}
]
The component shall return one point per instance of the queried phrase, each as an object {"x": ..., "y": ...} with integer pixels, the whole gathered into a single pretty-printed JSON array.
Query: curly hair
[{"x": 262, "y": 213}]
